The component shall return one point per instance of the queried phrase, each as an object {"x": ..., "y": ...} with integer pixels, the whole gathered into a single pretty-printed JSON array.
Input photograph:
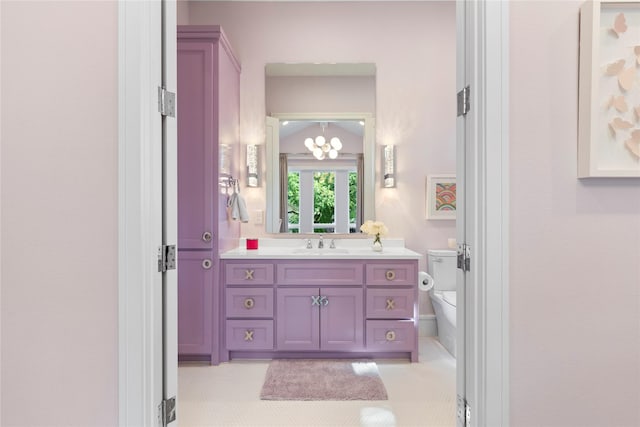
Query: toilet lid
[{"x": 450, "y": 297}]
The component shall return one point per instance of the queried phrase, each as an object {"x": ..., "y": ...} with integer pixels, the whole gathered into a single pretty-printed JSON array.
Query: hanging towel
[{"x": 238, "y": 207}]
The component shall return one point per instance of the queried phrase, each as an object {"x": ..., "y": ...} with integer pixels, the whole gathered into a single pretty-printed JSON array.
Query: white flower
[{"x": 374, "y": 228}]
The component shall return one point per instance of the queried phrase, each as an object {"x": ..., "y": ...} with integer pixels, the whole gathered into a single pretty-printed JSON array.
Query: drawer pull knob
[
  {"x": 390, "y": 274},
  {"x": 249, "y": 303},
  {"x": 390, "y": 336},
  {"x": 319, "y": 300},
  {"x": 206, "y": 264},
  {"x": 206, "y": 236},
  {"x": 248, "y": 335},
  {"x": 248, "y": 275},
  {"x": 391, "y": 304}
]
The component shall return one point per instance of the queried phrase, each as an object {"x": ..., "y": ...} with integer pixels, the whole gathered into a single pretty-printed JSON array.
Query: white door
[
  {"x": 170, "y": 212},
  {"x": 464, "y": 213},
  {"x": 146, "y": 187},
  {"x": 482, "y": 169}
]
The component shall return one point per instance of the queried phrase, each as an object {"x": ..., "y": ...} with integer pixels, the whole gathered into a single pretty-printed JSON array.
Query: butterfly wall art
[{"x": 609, "y": 103}]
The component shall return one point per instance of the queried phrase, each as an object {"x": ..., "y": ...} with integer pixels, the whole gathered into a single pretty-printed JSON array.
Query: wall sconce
[
  {"x": 253, "y": 179},
  {"x": 389, "y": 166}
]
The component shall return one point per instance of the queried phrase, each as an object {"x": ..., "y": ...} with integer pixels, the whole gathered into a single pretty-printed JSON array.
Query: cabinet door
[
  {"x": 298, "y": 321},
  {"x": 195, "y": 295},
  {"x": 341, "y": 319},
  {"x": 196, "y": 157}
]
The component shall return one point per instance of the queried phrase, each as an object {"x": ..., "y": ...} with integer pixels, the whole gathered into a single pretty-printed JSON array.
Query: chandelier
[{"x": 322, "y": 149}]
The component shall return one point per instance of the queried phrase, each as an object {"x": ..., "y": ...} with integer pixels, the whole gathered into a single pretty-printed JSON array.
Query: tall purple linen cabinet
[{"x": 208, "y": 100}]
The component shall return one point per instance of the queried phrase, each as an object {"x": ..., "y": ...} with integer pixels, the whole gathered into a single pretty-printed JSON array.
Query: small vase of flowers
[{"x": 376, "y": 229}]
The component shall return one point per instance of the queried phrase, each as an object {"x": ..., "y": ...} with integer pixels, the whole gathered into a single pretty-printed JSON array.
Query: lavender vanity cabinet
[
  {"x": 208, "y": 97},
  {"x": 320, "y": 319},
  {"x": 321, "y": 308}
]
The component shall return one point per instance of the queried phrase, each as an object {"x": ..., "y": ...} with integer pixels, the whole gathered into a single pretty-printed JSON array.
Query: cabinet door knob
[
  {"x": 390, "y": 336},
  {"x": 324, "y": 300},
  {"x": 249, "y": 303},
  {"x": 316, "y": 300},
  {"x": 390, "y": 274},
  {"x": 248, "y": 335},
  {"x": 206, "y": 264},
  {"x": 391, "y": 304},
  {"x": 206, "y": 236},
  {"x": 248, "y": 275}
]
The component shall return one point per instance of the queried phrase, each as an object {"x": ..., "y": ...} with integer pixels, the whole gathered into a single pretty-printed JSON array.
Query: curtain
[
  {"x": 284, "y": 191},
  {"x": 360, "y": 193}
]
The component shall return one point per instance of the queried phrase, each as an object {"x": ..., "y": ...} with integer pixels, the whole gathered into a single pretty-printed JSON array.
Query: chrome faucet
[
  {"x": 320, "y": 242},
  {"x": 309, "y": 245}
]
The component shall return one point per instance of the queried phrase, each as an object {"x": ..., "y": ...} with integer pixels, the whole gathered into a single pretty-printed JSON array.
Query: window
[{"x": 322, "y": 200}]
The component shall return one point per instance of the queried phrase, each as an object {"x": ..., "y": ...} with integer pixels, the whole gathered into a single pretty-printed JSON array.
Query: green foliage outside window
[
  {"x": 293, "y": 197},
  {"x": 324, "y": 198}
]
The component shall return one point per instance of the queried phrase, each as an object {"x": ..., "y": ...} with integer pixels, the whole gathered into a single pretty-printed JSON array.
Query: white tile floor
[{"x": 420, "y": 394}]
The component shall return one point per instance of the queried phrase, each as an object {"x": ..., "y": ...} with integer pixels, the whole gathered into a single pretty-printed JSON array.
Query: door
[
  {"x": 195, "y": 297},
  {"x": 169, "y": 218},
  {"x": 463, "y": 207},
  {"x": 195, "y": 104},
  {"x": 298, "y": 320},
  {"x": 147, "y": 216},
  {"x": 341, "y": 319},
  {"x": 483, "y": 209}
]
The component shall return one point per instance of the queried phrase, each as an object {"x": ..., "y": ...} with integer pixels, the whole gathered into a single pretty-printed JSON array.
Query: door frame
[{"x": 139, "y": 188}]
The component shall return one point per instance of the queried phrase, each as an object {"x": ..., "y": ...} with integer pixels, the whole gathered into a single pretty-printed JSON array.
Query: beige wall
[
  {"x": 575, "y": 244},
  {"x": 59, "y": 213}
]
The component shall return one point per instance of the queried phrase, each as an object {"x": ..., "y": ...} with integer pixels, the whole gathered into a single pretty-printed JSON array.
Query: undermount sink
[{"x": 316, "y": 252}]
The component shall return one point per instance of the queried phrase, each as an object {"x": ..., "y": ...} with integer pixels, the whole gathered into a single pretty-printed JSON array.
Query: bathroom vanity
[{"x": 290, "y": 301}]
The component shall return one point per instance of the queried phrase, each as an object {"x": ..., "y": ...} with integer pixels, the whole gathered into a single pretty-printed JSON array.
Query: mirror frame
[{"x": 273, "y": 165}]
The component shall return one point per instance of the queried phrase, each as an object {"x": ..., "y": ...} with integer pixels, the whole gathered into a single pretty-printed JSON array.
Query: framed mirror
[{"x": 320, "y": 155}]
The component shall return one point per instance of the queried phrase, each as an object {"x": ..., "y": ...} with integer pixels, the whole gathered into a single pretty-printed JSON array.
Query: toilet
[{"x": 442, "y": 267}]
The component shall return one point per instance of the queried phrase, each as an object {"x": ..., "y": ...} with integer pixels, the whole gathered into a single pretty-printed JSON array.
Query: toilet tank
[{"x": 442, "y": 267}]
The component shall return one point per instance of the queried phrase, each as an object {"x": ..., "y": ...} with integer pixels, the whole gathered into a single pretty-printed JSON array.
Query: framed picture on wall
[
  {"x": 441, "y": 196},
  {"x": 609, "y": 92}
]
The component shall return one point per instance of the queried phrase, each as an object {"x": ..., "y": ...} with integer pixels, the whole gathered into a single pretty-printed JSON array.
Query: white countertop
[{"x": 296, "y": 249}]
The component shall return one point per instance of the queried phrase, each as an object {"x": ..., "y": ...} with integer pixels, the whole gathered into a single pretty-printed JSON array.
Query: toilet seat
[{"x": 449, "y": 297}]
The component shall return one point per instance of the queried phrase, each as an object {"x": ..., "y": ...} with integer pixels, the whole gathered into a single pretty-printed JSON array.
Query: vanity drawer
[
  {"x": 391, "y": 335},
  {"x": 249, "y": 335},
  {"x": 249, "y": 274},
  {"x": 249, "y": 302},
  {"x": 390, "y": 303},
  {"x": 396, "y": 274},
  {"x": 320, "y": 273}
]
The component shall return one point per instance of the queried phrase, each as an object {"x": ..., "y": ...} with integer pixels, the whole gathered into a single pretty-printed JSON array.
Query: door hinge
[
  {"x": 463, "y": 412},
  {"x": 167, "y": 411},
  {"x": 464, "y": 102},
  {"x": 166, "y": 258},
  {"x": 166, "y": 102},
  {"x": 464, "y": 257}
]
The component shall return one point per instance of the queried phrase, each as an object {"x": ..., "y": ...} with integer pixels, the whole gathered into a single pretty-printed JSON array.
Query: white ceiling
[
  {"x": 319, "y": 70},
  {"x": 292, "y": 127}
]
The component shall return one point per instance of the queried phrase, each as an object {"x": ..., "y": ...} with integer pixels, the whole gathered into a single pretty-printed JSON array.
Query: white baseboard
[{"x": 427, "y": 326}]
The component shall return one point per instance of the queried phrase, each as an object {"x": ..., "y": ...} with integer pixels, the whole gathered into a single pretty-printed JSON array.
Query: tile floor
[{"x": 420, "y": 394}]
